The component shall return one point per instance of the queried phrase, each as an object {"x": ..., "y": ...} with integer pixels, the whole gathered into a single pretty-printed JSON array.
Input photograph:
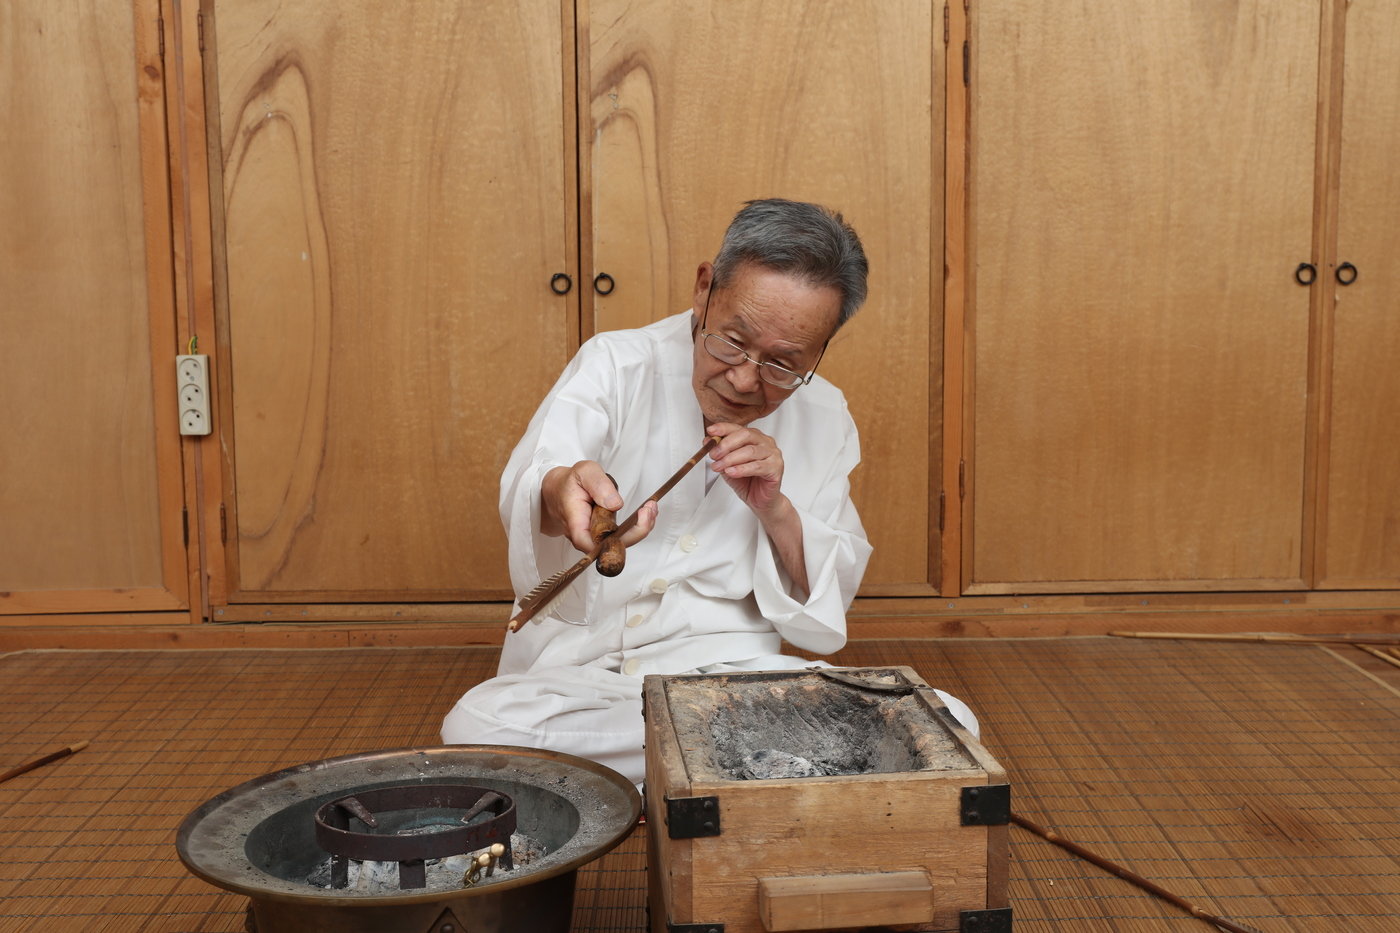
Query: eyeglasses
[{"x": 726, "y": 351}]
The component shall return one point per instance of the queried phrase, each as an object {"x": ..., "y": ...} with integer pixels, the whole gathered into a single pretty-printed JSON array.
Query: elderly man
[{"x": 762, "y": 547}]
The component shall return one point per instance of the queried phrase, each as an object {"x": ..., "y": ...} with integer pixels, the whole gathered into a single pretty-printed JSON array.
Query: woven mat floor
[{"x": 1260, "y": 781}]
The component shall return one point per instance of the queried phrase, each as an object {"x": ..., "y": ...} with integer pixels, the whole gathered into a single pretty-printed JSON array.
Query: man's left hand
[{"x": 750, "y": 463}]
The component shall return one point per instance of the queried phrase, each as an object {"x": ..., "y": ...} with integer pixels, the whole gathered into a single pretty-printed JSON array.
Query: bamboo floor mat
[{"x": 1259, "y": 781}]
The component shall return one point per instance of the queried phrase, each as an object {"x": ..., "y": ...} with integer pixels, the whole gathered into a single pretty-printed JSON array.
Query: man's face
[{"x": 775, "y": 318}]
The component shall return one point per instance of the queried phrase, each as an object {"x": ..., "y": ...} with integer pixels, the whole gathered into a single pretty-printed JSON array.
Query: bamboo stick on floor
[
  {"x": 1126, "y": 875},
  {"x": 1387, "y": 656},
  {"x": 43, "y": 760},
  {"x": 1282, "y": 638}
]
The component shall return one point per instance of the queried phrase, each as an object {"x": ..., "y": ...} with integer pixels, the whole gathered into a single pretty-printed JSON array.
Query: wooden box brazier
[{"x": 834, "y": 799}]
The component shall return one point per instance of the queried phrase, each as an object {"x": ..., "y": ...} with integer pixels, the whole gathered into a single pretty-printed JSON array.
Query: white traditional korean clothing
[{"x": 704, "y": 592}]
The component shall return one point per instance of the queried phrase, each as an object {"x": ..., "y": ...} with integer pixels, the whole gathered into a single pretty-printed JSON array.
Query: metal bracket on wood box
[
  {"x": 694, "y": 927},
  {"x": 986, "y": 805},
  {"x": 692, "y": 817},
  {"x": 992, "y": 920}
]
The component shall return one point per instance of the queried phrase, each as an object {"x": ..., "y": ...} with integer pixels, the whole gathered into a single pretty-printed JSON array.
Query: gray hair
[{"x": 809, "y": 241}]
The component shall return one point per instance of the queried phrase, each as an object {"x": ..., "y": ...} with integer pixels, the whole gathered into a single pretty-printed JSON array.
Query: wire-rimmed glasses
[{"x": 730, "y": 353}]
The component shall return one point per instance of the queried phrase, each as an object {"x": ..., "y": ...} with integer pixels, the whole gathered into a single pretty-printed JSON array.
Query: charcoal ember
[{"x": 769, "y": 763}]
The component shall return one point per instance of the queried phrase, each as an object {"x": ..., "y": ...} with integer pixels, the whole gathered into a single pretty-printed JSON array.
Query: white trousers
[{"x": 589, "y": 712}]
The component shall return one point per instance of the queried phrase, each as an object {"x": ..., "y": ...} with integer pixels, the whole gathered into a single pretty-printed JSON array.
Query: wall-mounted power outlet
[
  {"x": 192, "y": 388},
  {"x": 193, "y": 421}
]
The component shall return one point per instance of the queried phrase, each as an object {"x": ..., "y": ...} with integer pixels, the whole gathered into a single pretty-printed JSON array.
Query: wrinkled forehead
[
  {"x": 777, "y": 308},
  {"x": 775, "y": 334}
]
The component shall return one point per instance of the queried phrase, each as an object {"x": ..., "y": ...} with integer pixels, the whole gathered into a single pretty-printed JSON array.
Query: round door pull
[
  {"x": 561, "y": 289},
  {"x": 1306, "y": 273},
  {"x": 603, "y": 283},
  {"x": 1346, "y": 273}
]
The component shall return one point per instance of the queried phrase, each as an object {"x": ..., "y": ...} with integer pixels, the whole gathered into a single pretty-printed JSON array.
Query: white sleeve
[
  {"x": 571, "y": 424},
  {"x": 836, "y": 551}
]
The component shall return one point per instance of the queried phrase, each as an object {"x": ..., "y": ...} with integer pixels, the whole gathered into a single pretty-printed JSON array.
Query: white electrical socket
[
  {"x": 192, "y": 385},
  {"x": 192, "y": 369},
  {"x": 193, "y": 421}
]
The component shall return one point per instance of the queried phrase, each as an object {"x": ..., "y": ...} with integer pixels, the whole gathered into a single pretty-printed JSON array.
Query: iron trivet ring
[{"x": 395, "y": 843}]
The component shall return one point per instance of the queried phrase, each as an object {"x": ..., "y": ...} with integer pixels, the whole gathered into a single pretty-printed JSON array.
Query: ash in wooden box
[{"x": 831, "y": 799}]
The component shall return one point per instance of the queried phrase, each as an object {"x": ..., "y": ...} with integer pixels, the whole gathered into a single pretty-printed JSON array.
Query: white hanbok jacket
[
  {"x": 703, "y": 592},
  {"x": 705, "y": 587}
]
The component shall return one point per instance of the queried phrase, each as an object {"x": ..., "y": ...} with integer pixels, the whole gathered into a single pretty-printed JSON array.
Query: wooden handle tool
[
  {"x": 543, "y": 596},
  {"x": 604, "y": 526}
]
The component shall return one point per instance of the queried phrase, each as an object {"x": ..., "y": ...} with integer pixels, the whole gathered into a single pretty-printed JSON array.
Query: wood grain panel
[
  {"x": 1362, "y": 536},
  {"x": 1142, "y": 182},
  {"x": 89, "y": 486},
  {"x": 839, "y": 103},
  {"x": 394, "y": 200}
]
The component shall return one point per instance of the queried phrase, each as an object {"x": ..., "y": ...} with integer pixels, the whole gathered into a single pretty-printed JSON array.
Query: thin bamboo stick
[
  {"x": 43, "y": 760},
  {"x": 1270, "y": 637},
  {"x": 1129, "y": 876},
  {"x": 1387, "y": 656}
]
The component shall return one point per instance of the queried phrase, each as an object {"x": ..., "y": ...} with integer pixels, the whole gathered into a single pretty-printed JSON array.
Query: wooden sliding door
[
  {"x": 393, "y": 189},
  {"x": 695, "y": 108},
  {"x": 1361, "y": 527},
  {"x": 1142, "y": 180},
  {"x": 90, "y": 480}
]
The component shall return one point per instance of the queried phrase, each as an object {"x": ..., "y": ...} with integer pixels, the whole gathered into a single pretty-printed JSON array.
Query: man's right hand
[{"x": 567, "y": 497}]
